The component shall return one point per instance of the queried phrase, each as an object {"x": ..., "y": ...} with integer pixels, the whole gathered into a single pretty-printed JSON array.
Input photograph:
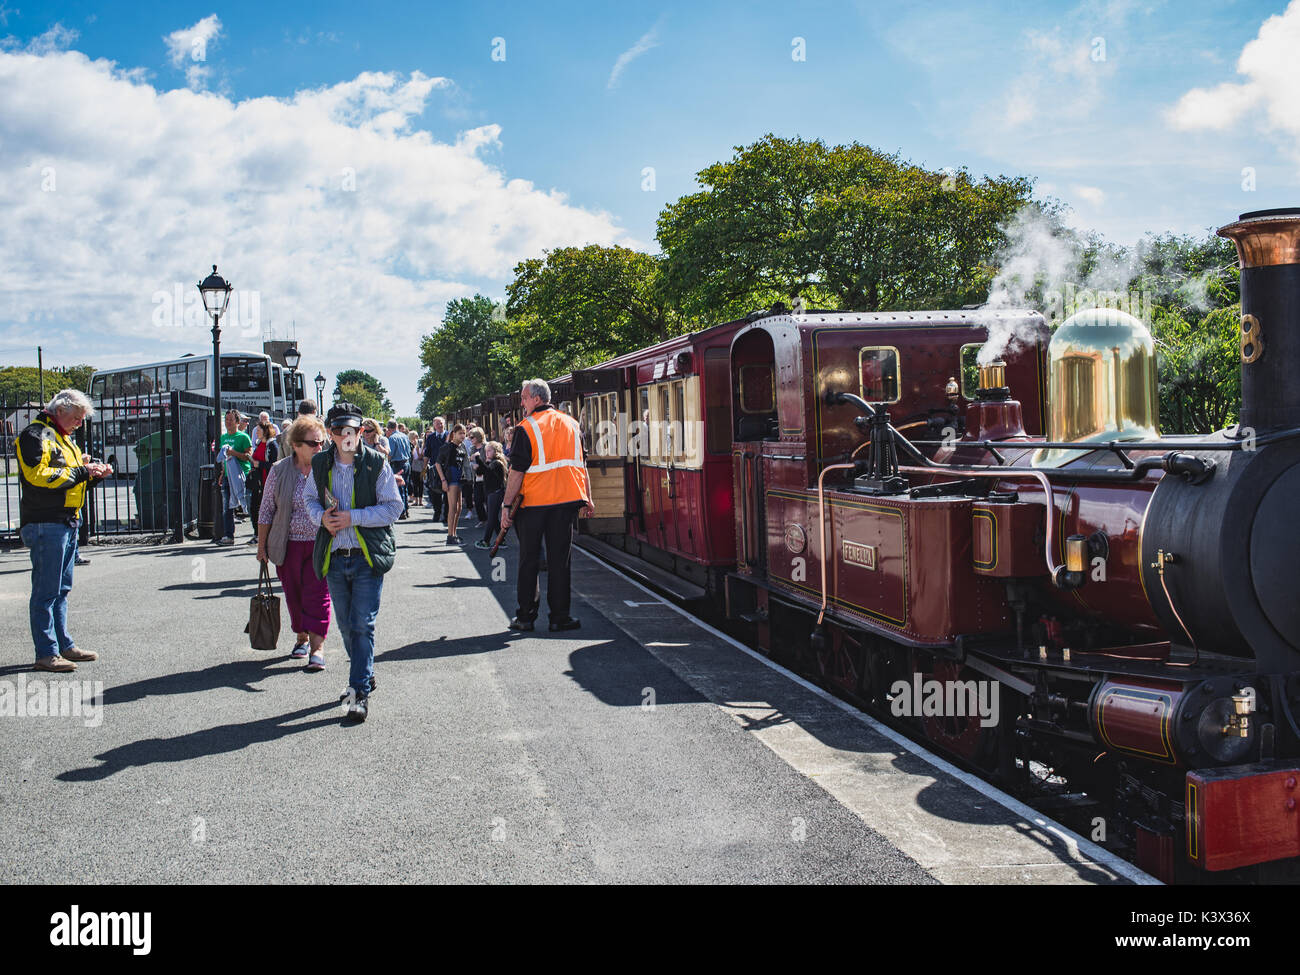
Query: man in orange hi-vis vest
[{"x": 548, "y": 465}]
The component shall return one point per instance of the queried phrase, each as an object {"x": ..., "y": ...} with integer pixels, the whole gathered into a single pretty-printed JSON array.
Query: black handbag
[{"x": 263, "y": 627}]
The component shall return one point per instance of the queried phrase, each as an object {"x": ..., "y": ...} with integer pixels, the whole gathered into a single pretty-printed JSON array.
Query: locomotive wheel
[
  {"x": 962, "y": 735},
  {"x": 836, "y": 666}
]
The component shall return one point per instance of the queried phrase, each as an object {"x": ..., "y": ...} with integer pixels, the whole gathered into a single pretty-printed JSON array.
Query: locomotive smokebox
[{"x": 1268, "y": 244}]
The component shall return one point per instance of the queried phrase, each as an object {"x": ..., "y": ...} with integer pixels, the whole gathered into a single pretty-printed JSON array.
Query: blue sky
[{"x": 1092, "y": 99}]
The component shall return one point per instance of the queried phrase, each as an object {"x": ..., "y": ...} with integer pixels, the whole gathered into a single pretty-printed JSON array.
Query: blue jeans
[
  {"x": 227, "y": 513},
  {"x": 405, "y": 471},
  {"x": 355, "y": 589},
  {"x": 53, "y": 548}
]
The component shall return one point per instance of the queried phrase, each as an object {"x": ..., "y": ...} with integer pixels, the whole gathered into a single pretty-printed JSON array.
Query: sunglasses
[
  {"x": 311, "y": 443},
  {"x": 339, "y": 431}
]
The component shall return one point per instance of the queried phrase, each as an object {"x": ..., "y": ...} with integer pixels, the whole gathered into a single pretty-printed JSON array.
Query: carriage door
[{"x": 600, "y": 397}]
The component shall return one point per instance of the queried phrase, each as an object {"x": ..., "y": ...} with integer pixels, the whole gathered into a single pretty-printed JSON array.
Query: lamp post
[
  {"x": 320, "y": 391},
  {"x": 291, "y": 359},
  {"x": 216, "y": 296}
]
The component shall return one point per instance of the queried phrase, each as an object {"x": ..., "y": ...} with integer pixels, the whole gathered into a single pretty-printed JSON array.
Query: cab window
[{"x": 879, "y": 371}]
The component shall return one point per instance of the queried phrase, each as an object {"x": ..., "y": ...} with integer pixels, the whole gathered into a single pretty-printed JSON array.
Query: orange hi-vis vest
[{"x": 558, "y": 473}]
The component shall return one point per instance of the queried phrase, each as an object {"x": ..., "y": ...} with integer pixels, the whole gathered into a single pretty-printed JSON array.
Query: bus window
[
  {"x": 245, "y": 375},
  {"x": 97, "y": 387},
  {"x": 196, "y": 375}
]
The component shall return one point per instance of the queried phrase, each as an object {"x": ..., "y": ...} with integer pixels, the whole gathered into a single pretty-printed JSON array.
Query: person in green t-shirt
[{"x": 241, "y": 447}]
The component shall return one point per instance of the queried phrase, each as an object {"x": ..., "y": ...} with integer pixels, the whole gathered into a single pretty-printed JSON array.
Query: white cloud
[
  {"x": 1269, "y": 63},
  {"x": 188, "y": 48},
  {"x": 345, "y": 216},
  {"x": 1092, "y": 194},
  {"x": 648, "y": 40}
]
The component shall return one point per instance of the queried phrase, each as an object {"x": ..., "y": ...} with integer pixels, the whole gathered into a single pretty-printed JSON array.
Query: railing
[{"x": 156, "y": 445}]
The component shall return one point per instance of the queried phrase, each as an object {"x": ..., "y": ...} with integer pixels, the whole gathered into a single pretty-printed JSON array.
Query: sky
[{"x": 351, "y": 168}]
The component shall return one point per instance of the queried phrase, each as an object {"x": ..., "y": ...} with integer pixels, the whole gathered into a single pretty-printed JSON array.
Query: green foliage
[
  {"x": 471, "y": 356},
  {"x": 364, "y": 399},
  {"x": 1199, "y": 369},
  {"x": 23, "y": 382},
  {"x": 413, "y": 423},
  {"x": 845, "y": 227},
  {"x": 374, "y": 386},
  {"x": 578, "y": 306}
]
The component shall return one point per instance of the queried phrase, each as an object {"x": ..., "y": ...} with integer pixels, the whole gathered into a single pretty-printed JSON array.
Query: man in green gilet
[{"x": 354, "y": 505}]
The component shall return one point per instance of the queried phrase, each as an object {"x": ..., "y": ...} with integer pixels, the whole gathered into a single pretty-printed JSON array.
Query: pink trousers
[{"x": 307, "y": 597}]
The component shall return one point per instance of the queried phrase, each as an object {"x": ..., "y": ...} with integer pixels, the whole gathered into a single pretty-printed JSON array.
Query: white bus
[{"x": 250, "y": 382}]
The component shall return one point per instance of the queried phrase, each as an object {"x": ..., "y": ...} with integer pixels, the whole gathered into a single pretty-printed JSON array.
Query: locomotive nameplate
[
  {"x": 796, "y": 539},
  {"x": 855, "y": 553}
]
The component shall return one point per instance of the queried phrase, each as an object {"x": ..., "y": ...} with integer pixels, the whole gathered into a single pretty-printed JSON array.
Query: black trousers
[
  {"x": 554, "y": 525},
  {"x": 492, "y": 525},
  {"x": 437, "y": 499},
  {"x": 480, "y": 501}
]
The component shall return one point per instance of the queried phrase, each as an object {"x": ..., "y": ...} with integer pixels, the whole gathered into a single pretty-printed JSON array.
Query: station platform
[{"x": 643, "y": 748}]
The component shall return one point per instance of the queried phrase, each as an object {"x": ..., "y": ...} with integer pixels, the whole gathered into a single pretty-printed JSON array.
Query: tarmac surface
[{"x": 642, "y": 748}]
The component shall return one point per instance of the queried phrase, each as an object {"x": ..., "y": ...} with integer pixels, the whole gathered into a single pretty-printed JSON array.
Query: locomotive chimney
[{"x": 1268, "y": 243}]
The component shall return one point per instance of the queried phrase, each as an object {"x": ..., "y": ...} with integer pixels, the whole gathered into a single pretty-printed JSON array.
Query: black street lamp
[
  {"x": 216, "y": 296},
  {"x": 320, "y": 391},
  {"x": 291, "y": 359}
]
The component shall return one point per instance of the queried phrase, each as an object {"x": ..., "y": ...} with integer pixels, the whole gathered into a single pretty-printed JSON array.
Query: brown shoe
[
  {"x": 56, "y": 664},
  {"x": 80, "y": 656}
]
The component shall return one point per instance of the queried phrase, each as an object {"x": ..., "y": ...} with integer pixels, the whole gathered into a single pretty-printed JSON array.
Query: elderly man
[
  {"x": 548, "y": 466},
  {"x": 53, "y": 485}
]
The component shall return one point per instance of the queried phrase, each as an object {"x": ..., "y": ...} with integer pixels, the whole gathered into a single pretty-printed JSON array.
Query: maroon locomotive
[{"x": 948, "y": 501}]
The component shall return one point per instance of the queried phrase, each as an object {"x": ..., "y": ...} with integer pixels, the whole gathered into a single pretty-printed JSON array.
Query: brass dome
[{"x": 1101, "y": 366}]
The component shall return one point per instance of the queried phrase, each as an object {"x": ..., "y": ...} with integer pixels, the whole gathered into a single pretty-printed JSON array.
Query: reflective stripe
[
  {"x": 541, "y": 448},
  {"x": 538, "y": 468}
]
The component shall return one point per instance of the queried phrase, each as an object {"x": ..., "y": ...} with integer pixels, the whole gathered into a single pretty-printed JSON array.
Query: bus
[{"x": 250, "y": 382}]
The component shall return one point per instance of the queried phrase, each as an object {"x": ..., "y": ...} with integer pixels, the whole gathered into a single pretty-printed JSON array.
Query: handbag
[{"x": 263, "y": 627}]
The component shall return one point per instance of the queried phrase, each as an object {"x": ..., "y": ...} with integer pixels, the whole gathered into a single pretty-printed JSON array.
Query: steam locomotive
[{"x": 887, "y": 502}]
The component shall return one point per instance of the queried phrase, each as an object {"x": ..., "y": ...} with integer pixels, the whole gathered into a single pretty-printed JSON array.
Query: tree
[
  {"x": 23, "y": 382},
  {"x": 847, "y": 227},
  {"x": 376, "y": 388},
  {"x": 469, "y": 357},
  {"x": 364, "y": 399},
  {"x": 577, "y": 306},
  {"x": 1199, "y": 367}
]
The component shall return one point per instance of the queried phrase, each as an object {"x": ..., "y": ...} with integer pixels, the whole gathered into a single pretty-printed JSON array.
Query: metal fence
[{"x": 157, "y": 445}]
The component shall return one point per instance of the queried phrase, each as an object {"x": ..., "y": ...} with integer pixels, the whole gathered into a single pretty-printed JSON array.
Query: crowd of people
[{"x": 323, "y": 498}]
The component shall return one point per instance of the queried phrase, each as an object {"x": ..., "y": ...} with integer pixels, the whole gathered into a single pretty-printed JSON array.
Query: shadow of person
[
  {"x": 444, "y": 647},
  {"x": 199, "y": 744},
  {"x": 237, "y": 674}
]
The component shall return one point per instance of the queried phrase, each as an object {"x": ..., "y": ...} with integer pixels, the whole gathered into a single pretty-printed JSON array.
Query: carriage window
[
  {"x": 757, "y": 389},
  {"x": 879, "y": 374},
  {"x": 970, "y": 370},
  {"x": 664, "y": 448},
  {"x": 679, "y": 419}
]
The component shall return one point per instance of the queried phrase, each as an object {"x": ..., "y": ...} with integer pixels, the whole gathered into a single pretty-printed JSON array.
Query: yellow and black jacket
[{"x": 53, "y": 474}]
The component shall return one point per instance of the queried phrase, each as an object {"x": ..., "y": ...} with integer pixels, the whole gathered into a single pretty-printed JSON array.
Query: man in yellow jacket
[
  {"x": 548, "y": 465},
  {"x": 53, "y": 484}
]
